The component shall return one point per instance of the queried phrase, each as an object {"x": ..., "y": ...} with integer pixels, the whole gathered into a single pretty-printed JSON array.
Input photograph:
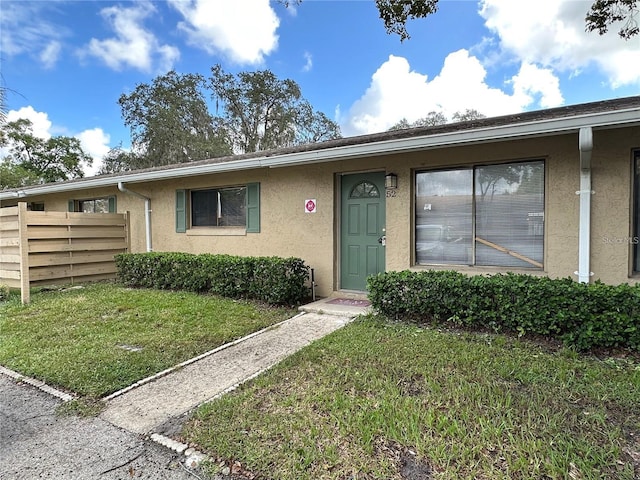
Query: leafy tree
[
  {"x": 604, "y": 13},
  {"x": 33, "y": 160},
  {"x": 170, "y": 121},
  {"x": 468, "y": 115},
  {"x": 118, "y": 160},
  {"x": 395, "y": 13},
  {"x": 262, "y": 112},
  {"x": 314, "y": 126},
  {"x": 433, "y": 119},
  {"x": 15, "y": 175},
  {"x": 3, "y": 103},
  {"x": 601, "y": 15}
]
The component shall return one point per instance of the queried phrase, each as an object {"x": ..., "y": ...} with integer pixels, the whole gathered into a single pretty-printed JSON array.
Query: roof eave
[{"x": 557, "y": 126}]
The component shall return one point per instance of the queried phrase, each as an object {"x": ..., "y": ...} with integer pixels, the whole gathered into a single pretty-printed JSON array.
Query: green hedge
[
  {"x": 278, "y": 281},
  {"x": 585, "y": 316}
]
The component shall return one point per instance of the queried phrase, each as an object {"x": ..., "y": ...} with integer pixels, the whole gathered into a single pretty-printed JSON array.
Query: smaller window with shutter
[{"x": 236, "y": 206}]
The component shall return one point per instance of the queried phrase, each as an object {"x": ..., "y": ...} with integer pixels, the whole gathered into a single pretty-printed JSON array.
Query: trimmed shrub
[
  {"x": 275, "y": 280},
  {"x": 585, "y": 316}
]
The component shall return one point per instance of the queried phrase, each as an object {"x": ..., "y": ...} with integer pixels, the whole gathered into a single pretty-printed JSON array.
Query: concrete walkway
[{"x": 145, "y": 407}]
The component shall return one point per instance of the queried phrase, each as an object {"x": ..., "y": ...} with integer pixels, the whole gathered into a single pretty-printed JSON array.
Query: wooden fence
[{"x": 44, "y": 248}]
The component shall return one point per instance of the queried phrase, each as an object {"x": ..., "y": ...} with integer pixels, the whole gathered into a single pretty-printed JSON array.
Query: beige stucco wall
[
  {"x": 611, "y": 249},
  {"x": 286, "y": 230}
]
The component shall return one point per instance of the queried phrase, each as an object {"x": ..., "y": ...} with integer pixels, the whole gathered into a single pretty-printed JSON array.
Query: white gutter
[
  {"x": 585, "y": 142},
  {"x": 147, "y": 212},
  {"x": 630, "y": 116}
]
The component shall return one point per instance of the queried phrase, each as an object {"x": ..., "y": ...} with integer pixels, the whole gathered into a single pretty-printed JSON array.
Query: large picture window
[
  {"x": 489, "y": 215},
  {"x": 636, "y": 212}
]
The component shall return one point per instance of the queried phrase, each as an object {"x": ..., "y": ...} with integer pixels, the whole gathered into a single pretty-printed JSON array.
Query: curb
[
  {"x": 193, "y": 457},
  {"x": 39, "y": 384}
]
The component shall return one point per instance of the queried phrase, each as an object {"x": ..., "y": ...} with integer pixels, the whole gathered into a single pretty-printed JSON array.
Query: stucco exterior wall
[
  {"x": 286, "y": 230},
  {"x": 611, "y": 205}
]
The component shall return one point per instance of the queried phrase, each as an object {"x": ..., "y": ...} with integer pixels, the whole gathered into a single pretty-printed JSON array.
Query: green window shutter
[
  {"x": 72, "y": 206},
  {"x": 253, "y": 207},
  {"x": 112, "y": 205},
  {"x": 181, "y": 211}
]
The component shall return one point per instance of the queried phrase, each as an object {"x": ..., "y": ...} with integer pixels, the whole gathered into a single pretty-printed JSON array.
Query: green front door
[{"x": 361, "y": 229}]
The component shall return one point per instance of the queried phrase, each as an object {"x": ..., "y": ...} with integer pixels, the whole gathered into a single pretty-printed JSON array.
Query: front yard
[
  {"x": 103, "y": 337},
  {"x": 374, "y": 400},
  {"x": 377, "y": 400}
]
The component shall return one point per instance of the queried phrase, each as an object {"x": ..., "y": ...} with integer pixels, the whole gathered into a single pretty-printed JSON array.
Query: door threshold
[{"x": 350, "y": 294}]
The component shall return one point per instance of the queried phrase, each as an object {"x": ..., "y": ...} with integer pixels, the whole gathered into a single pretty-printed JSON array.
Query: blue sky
[{"x": 67, "y": 62}]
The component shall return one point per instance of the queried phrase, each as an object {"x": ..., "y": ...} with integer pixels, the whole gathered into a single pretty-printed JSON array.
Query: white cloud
[
  {"x": 552, "y": 33},
  {"x": 396, "y": 92},
  {"x": 50, "y": 54},
  {"x": 133, "y": 46},
  {"x": 309, "y": 62},
  {"x": 244, "y": 35},
  {"x": 534, "y": 80},
  {"x": 41, "y": 125},
  {"x": 94, "y": 142},
  {"x": 26, "y": 30}
]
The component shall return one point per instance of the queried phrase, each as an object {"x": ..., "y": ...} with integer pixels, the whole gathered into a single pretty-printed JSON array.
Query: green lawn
[
  {"x": 384, "y": 401},
  {"x": 104, "y": 337}
]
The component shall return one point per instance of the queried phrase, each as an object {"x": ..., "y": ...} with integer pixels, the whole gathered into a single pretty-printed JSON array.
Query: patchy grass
[
  {"x": 104, "y": 337},
  {"x": 379, "y": 400},
  {"x": 81, "y": 407}
]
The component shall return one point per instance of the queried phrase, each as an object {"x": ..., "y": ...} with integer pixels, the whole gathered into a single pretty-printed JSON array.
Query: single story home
[{"x": 552, "y": 192}]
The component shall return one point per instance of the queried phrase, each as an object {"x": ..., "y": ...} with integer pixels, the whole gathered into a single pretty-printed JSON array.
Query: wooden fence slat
[
  {"x": 9, "y": 242},
  {"x": 7, "y": 258},
  {"x": 57, "y": 231},
  {"x": 10, "y": 267},
  {"x": 48, "y": 219},
  {"x": 79, "y": 279},
  {"x": 65, "y": 259},
  {"x": 68, "y": 271},
  {"x": 8, "y": 211},
  {"x": 8, "y": 226},
  {"x": 12, "y": 274},
  {"x": 10, "y": 282},
  {"x": 117, "y": 244}
]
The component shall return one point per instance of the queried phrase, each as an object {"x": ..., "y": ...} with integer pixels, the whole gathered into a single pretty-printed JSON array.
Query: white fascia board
[
  {"x": 142, "y": 177},
  {"x": 481, "y": 135}
]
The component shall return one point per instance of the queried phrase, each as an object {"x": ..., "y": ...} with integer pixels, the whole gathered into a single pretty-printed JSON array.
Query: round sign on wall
[{"x": 310, "y": 206}]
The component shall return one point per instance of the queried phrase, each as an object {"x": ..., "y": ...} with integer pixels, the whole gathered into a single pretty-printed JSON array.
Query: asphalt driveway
[{"x": 35, "y": 443}]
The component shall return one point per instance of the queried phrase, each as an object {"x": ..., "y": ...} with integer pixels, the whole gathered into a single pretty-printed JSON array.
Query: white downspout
[
  {"x": 585, "y": 142},
  {"x": 147, "y": 212}
]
